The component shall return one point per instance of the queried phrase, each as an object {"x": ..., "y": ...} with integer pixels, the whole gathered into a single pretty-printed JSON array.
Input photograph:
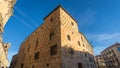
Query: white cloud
[
  {"x": 98, "y": 49},
  {"x": 102, "y": 37},
  {"x": 102, "y": 41},
  {"x": 87, "y": 17},
  {"x": 22, "y": 21},
  {"x": 26, "y": 16}
]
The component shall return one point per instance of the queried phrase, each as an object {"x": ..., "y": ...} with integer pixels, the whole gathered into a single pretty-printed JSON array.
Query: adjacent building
[
  {"x": 57, "y": 43},
  {"x": 111, "y": 56},
  {"x": 100, "y": 61},
  {"x": 6, "y": 7}
]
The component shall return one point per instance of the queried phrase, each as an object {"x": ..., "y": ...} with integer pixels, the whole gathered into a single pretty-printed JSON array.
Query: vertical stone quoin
[{"x": 6, "y": 9}]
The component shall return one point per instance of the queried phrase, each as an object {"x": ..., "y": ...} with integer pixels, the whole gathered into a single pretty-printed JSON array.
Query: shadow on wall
[{"x": 71, "y": 58}]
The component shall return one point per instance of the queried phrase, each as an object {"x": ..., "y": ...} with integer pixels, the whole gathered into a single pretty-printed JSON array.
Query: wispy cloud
[
  {"x": 23, "y": 22},
  {"x": 98, "y": 49},
  {"x": 26, "y": 16},
  {"x": 102, "y": 37},
  {"x": 87, "y": 17},
  {"x": 102, "y": 41}
]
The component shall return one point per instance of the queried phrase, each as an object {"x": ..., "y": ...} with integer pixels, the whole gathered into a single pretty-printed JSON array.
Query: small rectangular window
[
  {"x": 80, "y": 65},
  {"x": 51, "y": 35},
  {"x": 51, "y": 19},
  {"x": 81, "y": 38},
  {"x": 37, "y": 42},
  {"x": 83, "y": 45},
  {"x": 72, "y": 23},
  {"x": 32, "y": 66},
  {"x": 53, "y": 50},
  {"x": 36, "y": 56},
  {"x": 68, "y": 37},
  {"x": 22, "y": 65},
  {"x": 85, "y": 54},
  {"x": 71, "y": 50},
  {"x": 118, "y": 48},
  {"x": 79, "y": 43},
  {"x": 28, "y": 47}
]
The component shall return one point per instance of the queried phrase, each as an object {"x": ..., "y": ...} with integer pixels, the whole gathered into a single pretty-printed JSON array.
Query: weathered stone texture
[
  {"x": 50, "y": 41},
  {"x": 77, "y": 42},
  {"x": 6, "y": 7},
  {"x": 111, "y": 56}
]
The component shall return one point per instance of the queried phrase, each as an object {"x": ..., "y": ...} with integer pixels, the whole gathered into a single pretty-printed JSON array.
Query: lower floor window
[{"x": 80, "y": 65}]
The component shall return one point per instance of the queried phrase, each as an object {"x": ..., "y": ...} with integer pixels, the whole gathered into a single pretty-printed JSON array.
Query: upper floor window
[
  {"x": 37, "y": 43},
  {"x": 81, "y": 38},
  {"x": 68, "y": 37},
  {"x": 70, "y": 50},
  {"x": 53, "y": 50},
  {"x": 72, "y": 23},
  {"x": 79, "y": 43},
  {"x": 83, "y": 45},
  {"x": 36, "y": 56},
  {"x": 28, "y": 47},
  {"x": 112, "y": 50},
  {"x": 51, "y": 19},
  {"x": 118, "y": 48},
  {"x": 85, "y": 54},
  {"x": 51, "y": 35}
]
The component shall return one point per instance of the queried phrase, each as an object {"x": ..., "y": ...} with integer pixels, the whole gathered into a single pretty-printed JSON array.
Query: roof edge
[{"x": 63, "y": 9}]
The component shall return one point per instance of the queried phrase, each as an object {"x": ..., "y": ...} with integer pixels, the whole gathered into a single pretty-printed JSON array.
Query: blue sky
[{"x": 99, "y": 20}]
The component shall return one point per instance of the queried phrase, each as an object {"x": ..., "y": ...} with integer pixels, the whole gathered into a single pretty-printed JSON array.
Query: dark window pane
[
  {"x": 72, "y": 23},
  {"x": 51, "y": 19},
  {"x": 36, "y": 43},
  {"x": 71, "y": 51},
  {"x": 53, "y": 50},
  {"x": 22, "y": 65},
  {"x": 78, "y": 42},
  {"x": 68, "y": 37},
  {"x": 80, "y": 65},
  {"x": 28, "y": 47},
  {"x": 36, "y": 55},
  {"x": 118, "y": 48},
  {"x": 51, "y": 35}
]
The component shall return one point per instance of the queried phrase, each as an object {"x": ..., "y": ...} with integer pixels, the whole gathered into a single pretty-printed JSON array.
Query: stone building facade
[
  {"x": 6, "y": 7},
  {"x": 100, "y": 61},
  {"x": 57, "y": 43},
  {"x": 3, "y": 55},
  {"x": 111, "y": 56}
]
